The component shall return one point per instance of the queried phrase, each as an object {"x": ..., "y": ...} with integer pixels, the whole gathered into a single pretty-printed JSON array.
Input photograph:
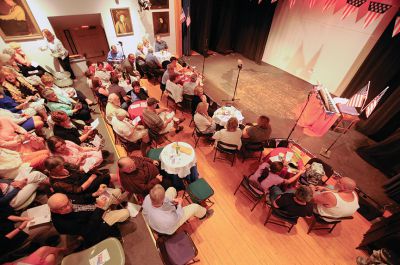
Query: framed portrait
[
  {"x": 161, "y": 23},
  {"x": 122, "y": 21},
  {"x": 159, "y": 4},
  {"x": 17, "y": 22}
]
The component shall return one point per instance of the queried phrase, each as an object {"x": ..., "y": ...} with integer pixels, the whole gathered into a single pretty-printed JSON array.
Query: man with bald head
[
  {"x": 138, "y": 174},
  {"x": 342, "y": 201},
  {"x": 90, "y": 221}
]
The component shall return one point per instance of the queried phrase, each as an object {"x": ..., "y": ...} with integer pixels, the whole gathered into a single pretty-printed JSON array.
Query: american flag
[
  {"x": 372, "y": 105},
  {"x": 273, "y": 1},
  {"x": 188, "y": 21},
  {"x": 328, "y": 4},
  {"x": 351, "y": 6},
  {"x": 182, "y": 17},
  {"x": 396, "y": 28},
  {"x": 358, "y": 99},
  {"x": 375, "y": 10},
  {"x": 311, "y": 3},
  {"x": 292, "y": 2}
]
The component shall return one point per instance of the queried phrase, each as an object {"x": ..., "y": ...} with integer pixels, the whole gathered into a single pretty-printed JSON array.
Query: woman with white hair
[
  {"x": 27, "y": 66},
  {"x": 114, "y": 103},
  {"x": 204, "y": 123}
]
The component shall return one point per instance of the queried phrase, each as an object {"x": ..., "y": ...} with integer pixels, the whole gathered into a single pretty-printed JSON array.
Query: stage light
[{"x": 240, "y": 64}]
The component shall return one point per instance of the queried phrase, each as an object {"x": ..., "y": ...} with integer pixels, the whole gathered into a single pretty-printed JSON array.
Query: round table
[
  {"x": 178, "y": 163},
  {"x": 223, "y": 114},
  {"x": 281, "y": 152},
  {"x": 163, "y": 56},
  {"x": 136, "y": 109}
]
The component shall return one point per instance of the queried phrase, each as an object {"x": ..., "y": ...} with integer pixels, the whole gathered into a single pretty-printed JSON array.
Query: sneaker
[{"x": 208, "y": 214}]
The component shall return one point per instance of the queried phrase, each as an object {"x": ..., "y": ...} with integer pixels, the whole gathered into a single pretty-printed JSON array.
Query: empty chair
[
  {"x": 199, "y": 192},
  {"x": 178, "y": 249},
  {"x": 252, "y": 193},
  {"x": 317, "y": 223},
  {"x": 154, "y": 153},
  {"x": 327, "y": 168},
  {"x": 251, "y": 148},
  {"x": 228, "y": 149}
]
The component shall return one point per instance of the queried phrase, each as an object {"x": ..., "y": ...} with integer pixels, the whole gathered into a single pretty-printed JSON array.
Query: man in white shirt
[{"x": 164, "y": 213}]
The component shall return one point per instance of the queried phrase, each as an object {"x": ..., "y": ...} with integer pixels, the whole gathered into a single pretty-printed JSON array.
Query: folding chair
[
  {"x": 154, "y": 153},
  {"x": 225, "y": 148},
  {"x": 327, "y": 168},
  {"x": 252, "y": 147},
  {"x": 281, "y": 218},
  {"x": 199, "y": 192},
  {"x": 252, "y": 193},
  {"x": 178, "y": 249},
  {"x": 325, "y": 225},
  {"x": 197, "y": 134}
]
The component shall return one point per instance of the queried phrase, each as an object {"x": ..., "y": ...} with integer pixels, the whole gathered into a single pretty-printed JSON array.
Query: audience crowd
[{"x": 51, "y": 151}]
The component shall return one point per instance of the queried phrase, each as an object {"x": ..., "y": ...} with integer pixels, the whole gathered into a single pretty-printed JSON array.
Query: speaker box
[{"x": 368, "y": 208}]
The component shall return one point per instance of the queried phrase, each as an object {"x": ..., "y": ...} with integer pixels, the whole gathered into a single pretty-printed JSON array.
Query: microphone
[
  {"x": 120, "y": 43},
  {"x": 240, "y": 64}
]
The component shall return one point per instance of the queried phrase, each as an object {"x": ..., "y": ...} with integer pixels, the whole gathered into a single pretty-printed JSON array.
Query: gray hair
[{"x": 9, "y": 51}]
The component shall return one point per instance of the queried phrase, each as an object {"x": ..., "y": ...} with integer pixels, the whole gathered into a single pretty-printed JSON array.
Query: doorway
[{"x": 82, "y": 35}]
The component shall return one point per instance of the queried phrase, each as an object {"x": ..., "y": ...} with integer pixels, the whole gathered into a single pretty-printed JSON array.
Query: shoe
[
  {"x": 208, "y": 214},
  {"x": 105, "y": 154},
  {"x": 179, "y": 129}
]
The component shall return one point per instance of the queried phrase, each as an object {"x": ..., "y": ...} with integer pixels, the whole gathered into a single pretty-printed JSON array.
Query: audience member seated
[
  {"x": 86, "y": 158},
  {"x": 100, "y": 91},
  {"x": 159, "y": 120},
  {"x": 188, "y": 87},
  {"x": 67, "y": 92},
  {"x": 103, "y": 72},
  {"x": 146, "y": 45},
  {"x": 160, "y": 45},
  {"x": 8, "y": 62},
  {"x": 164, "y": 213},
  {"x": 114, "y": 56},
  {"x": 66, "y": 178},
  {"x": 69, "y": 130},
  {"x": 27, "y": 66},
  {"x": 231, "y": 135},
  {"x": 139, "y": 175},
  {"x": 259, "y": 132},
  {"x": 174, "y": 62},
  {"x": 91, "y": 221},
  {"x": 198, "y": 97},
  {"x": 113, "y": 105},
  {"x": 165, "y": 77},
  {"x": 268, "y": 175},
  {"x": 115, "y": 88},
  {"x": 295, "y": 204},
  {"x": 138, "y": 92},
  {"x": 153, "y": 64},
  {"x": 124, "y": 127},
  {"x": 202, "y": 120},
  {"x": 11, "y": 161},
  {"x": 42, "y": 256},
  {"x": 337, "y": 203},
  {"x": 128, "y": 66},
  {"x": 140, "y": 51}
]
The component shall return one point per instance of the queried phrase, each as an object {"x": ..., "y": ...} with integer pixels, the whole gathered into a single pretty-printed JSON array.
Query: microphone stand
[
  {"x": 326, "y": 152},
  {"x": 301, "y": 113},
  {"x": 122, "y": 48},
  {"x": 240, "y": 67},
  {"x": 205, "y": 54}
]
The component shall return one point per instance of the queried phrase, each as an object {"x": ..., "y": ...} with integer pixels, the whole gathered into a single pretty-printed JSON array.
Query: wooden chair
[
  {"x": 323, "y": 224},
  {"x": 252, "y": 193},
  {"x": 251, "y": 148},
  {"x": 228, "y": 149},
  {"x": 281, "y": 218}
]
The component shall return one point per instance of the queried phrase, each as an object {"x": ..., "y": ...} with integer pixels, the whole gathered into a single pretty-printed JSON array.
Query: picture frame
[
  {"x": 161, "y": 23},
  {"x": 21, "y": 29},
  {"x": 159, "y": 4},
  {"x": 122, "y": 21}
]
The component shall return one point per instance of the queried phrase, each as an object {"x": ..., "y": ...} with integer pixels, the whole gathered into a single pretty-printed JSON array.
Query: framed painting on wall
[
  {"x": 17, "y": 22},
  {"x": 122, "y": 21},
  {"x": 161, "y": 23},
  {"x": 159, "y": 4}
]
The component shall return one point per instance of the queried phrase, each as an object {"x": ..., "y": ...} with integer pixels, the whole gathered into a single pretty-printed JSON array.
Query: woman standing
[{"x": 58, "y": 51}]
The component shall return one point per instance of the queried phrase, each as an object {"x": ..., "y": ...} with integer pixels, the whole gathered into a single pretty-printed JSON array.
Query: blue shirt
[{"x": 115, "y": 56}]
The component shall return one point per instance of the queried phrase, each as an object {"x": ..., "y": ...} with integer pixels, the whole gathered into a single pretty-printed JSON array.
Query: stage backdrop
[
  {"x": 318, "y": 46},
  {"x": 142, "y": 23}
]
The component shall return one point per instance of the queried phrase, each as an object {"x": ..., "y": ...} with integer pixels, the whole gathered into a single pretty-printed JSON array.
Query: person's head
[
  {"x": 54, "y": 165},
  {"x": 114, "y": 99},
  {"x": 114, "y": 79},
  {"x": 170, "y": 69},
  {"x": 9, "y": 51},
  {"x": 114, "y": 49},
  {"x": 263, "y": 121},
  {"x": 122, "y": 18},
  {"x": 276, "y": 167},
  {"x": 126, "y": 164},
  {"x": 193, "y": 78},
  {"x": 96, "y": 82},
  {"x": 50, "y": 95},
  {"x": 150, "y": 50},
  {"x": 6, "y": 59},
  {"x": 173, "y": 77},
  {"x": 59, "y": 203},
  {"x": 15, "y": 46},
  {"x": 140, "y": 46},
  {"x": 345, "y": 184},
  {"x": 157, "y": 195},
  {"x": 145, "y": 41},
  {"x": 232, "y": 124},
  {"x": 202, "y": 108},
  {"x": 173, "y": 61},
  {"x": 304, "y": 194},
  {"x": 47, "y": 80},
  {"x": 60, "y": 118},
  {"x": 56, "y": 144},
  {"x": 158, "y": 38},
  {"x": 131, "y": 58},
  {"x": 9, "y": 74},
  {"x": 100, "y": 65},
  {"x": 136, "y": 86},
  {"x": 199, "y": 91},
  {"x": 10, "y": 2},
  {"x": 121, "y": 114},
  {"x": 152, "y": 103},
  {"x": 48, "y": 35}
]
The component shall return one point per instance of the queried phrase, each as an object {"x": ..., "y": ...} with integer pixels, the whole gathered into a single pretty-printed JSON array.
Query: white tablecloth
[
  {"x": 178, "y": 164},
  {"x": 163, "y": 56},
  {"x": 223, "y": 114}
]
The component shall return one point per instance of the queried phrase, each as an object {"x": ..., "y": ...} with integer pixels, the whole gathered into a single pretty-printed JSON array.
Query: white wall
[
  {"x": 142, "y": 23},
  {"x": 318, "y": 46}
]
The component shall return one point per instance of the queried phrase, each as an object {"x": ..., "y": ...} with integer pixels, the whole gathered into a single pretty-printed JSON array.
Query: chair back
[
  {"x": 254, "y": 192},
  {"x": 227, "y": 148},
  {"x": 284, "y": 215},
  {"x": 178, "y": 249},
  {"x": 254, "y": 146},
  {"x": 175, "y": 91},
  {"x": 109, "y": 247},
  {"x": 327, "y": 168}
]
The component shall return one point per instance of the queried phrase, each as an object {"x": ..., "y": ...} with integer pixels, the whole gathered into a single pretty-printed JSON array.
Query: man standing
[
  {"x": 164, "y": 213},
  {"x": 160, "y": 44}
]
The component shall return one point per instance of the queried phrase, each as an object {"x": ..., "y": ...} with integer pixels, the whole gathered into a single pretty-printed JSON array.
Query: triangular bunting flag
[
  {"x": 351, "y": 6},
  {"x": 292, "y": 2},
  {"x": 328, "y": 4},
  {"x": 396, "y": 28},
  {"x": 311, "y": 3},
  {"x": 375, "y": 10},
  {"x": 182, "y": 18},
  {"x": 372, "y": 105}
]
